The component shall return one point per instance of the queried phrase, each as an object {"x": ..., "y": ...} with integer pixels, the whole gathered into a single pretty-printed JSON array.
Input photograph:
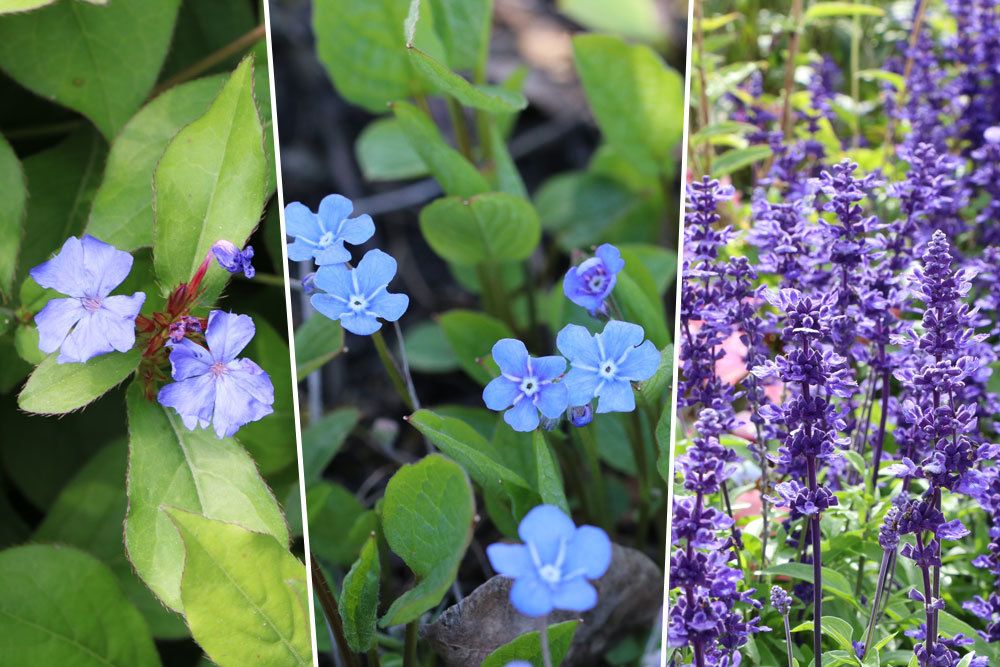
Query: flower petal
[
  {"x": 335, "y": 253},
  {"x": 333, "y": 307},
  {"x": 618, "y": 337},
  {"x": 54, "y": 322},
  {"x": 531, "y": 597},
  {"x": 188, "y": 360},
  {"x": 616, "y": 396},
  {"x": 359, "y": 323},
  {"x": 575, "y": 595},
  {"x": 510, "y": 560},
  {"x": 611, "y": 256},
  {"x": 236, "y": 403},
  {"x": 106, "y": 266},
  {"x": 389, "y": 307},
  {"x": 65, "y": 272},
  {"x": 193, "y": 399},
  {"x": 118, "y": 331},
  {"x": 552, "y": 400},
  {"x": 124, "y": 306},
  {"x": 227, "y": 334},
  {"x": 357, "y": 230},
  {"x": 548, "y": 368},
  {"x": 301, "y": 222},
  {"x": 589, "y": 551},
  {"x": 332, "y": 211},
  {"x": 523, "y": 417},
  {"x": 580, "y": 386},
  {"x": 641, "y": 363},
  {"x": 546, "y": 527},
  {"x": 511, "y": 356},
  {"x": 335, "y": 279},
  {"x": 300, "y": 251},
  {"x": 578, "y": 345},
  {"x": 86, "y": 341},
  {"x": 500, "y": 393},
  {"x": 374, "y": 271}
]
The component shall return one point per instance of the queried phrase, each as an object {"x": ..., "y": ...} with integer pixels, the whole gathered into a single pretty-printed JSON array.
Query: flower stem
[
  {"x": 817, "y": 557},
  {"x": 331, "y": 612},
  {"x": 405, "y": 362},
  {"x": 460, "y": 127},
  {"x": 793, "y": 52},
  {"x": 594, "y": 464},
  {"x": 410, "y": 650},
  {"x": 639, "y": 452},
  {"x": 788, "y": 640},
  {"x": 543, "y": 637},
  {"x": 211, "y": 60},
  {"x": 390, "y": 366},
  {"x": 373, "y": 659},
  {"x": 880, "y": 588}
]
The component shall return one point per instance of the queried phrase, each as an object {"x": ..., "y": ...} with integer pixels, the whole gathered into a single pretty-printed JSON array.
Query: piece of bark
[{"x": 629, "y": 596}]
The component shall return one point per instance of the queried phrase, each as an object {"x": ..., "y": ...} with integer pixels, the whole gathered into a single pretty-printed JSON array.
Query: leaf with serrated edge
[
  {"x": 55, "y": 389},
  {"x": 190, "y": 470}
]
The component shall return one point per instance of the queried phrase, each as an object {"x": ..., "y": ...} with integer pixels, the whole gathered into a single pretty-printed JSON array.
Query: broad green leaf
[
  {"x": 882, "y": 75},
  {"x": 205, "y": 27},
  {"x": 492, "y": 99},
  {"x": 833, "y": 581},
  {"x": 427, "y": 349},
  {"x": 654, "y": 390},
  {"x": 13, "y": 368},
  {"x": 636, "y": 98},
  {"x": 384, "y": 153},
  {"x": 528, "y": 647},
  {"x": 317, "y": 341},
  {"x": 739, "y": 158},
  {"x": 728, "y": 129},
  {"x": 821, "y": 10},
  {"x": 492, "y": 227},
  {"x": 549, "y": 480},
  {"x": 664, "y": 430},
  {"x": 637, "y": 307},
  {"x": 241, "y": 594},
  {"x": 580, "y": 206},
  {"x": 170, "y": 466},
  {"x": 271, "y": 440},
  {"x": 122, "y": 212},
  {"x": 636, "y": 19},
  {"x": 711, "y": 23},
  {"x": 322, "y": 439},
  {"x": 457, "y": 176},
  {"x": 471, "y": 336},
  {"x": 359, "y": 599},
  {"x": 209, "y": 184},
  {"x": 661, "y": 263},
  {"x": 427, "y": 516},
  {"x": 461, "y": 442},
  {"x": 15, "y": 194},
  {"x": 26, "y": 344},
  {"x": 262, "y": 88},
  {"x": 68, "y": 174},
  {"x": 11, "y": 6},
  {"x": 464, "y": 29},
  {"x": 55, "y": 389},
  {"x": 61, "y": 606},
  {"x": 100, "y": 61},
  {"x": 338, "y": 523},
  {"x": 951, "y": 625},
  {"x": 836, "y": 628}
]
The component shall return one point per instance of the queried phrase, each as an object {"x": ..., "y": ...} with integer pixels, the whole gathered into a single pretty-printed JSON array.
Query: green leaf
[
  {"x": 893, "y": 78},
  {"x": 457, "y": 175},
  {"x": 55, "y": 389},
  {"x": 471, "y": 336},
  {"x": 170, "y": 466},
  {"x": 493, "y": 227},
  {"x": 637, "y": 307},
  {"x": 100, "y": 61},
  {"x": 653, "y": 390},
  {"x": 833, "y": 581},
  {"x": 580, "y": 206},
  {"x": 384, "y": 153},
  {"x": 462, "y": 443},
  {"x": 427, "y": 349},
  {"x": 209, "y": 185},
  {"x": 528, "y": 647},
  {"x": 822, "y": 10},
  {"x": 122, "y": 212},
  {"x": 506, "y": 175},
  {"x": 322, "y": 439},
  {"x": 26, "y": 344},
  {"x": 10, "y": 6},
  {"x": 317, "y": 341},
  {"x": 549, "y": 480},
  {"x": 240, "y": 593},
  {"x": 359, "y": 599},
  {"x": 660, "y": 263},
  {"x": 464, "y": 29},
  {"x": 427, "y": 516},
  {"x": 15, "y": 193},
  {"x": 637, "y": 19},
  {"x": 338, "y": 522},
  {"x": 636, "y": 98},
  {"x": 63, "y": 607},
  {"x": 836, "y": 628},
  {"x": 492, "y": 99},
  {"x": 739, "y": 158},
  {"x": 664, "y": 429}
]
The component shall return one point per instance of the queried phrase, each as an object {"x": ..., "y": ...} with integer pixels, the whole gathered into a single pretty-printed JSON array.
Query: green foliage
[
  {"x": 322, "y": 439},
  {"x": 471, "y": 336},
  {"x": 438, "y": 77},
  {"x": 385, "y": 154},
  {"x": 455, "y": 173},
  {"x": 55, "y": 388},
  {"x": 359, "y": 599},
  {"x": 492, "y": 227},
  {"x": 11, "y": 215},
  {"x": 528, "y": 646},
  {"x": 316, "y": 342}
]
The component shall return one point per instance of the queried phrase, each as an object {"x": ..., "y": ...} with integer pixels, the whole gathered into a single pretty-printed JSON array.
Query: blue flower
[
  {"x": 89, "y": 323},
  {"x": 526, "y": 383},
  {"x": 581, "y": 415},
  {"x": 551, "y": 569},
  {"x": 590, "y": 283},
  {"x": 606, "y": 364},
  {"x": 233, "y": 259},
  {"x": 213, "y": 386},
  {"x": 321, "y": 236},
  {"x": 357, "y": 297}
]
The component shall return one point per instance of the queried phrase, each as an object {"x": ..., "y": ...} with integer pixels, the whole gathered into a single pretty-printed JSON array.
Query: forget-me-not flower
[
  {"x": 527, "y": 385},
  {"x": 605, "y": 365},
  {"x": 233, "y": 259},
  {"x": 552, "y": 568},
  {"x": 321, "y": 235},
  {"x": 212, "y": 386},
  {"x": 358, "y": 297},
  {"x": 590, "y": 283},
  {"x": 88, "y": 323}
]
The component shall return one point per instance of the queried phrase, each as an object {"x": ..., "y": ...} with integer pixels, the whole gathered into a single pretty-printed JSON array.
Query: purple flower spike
[
  {"x": 89, "y": 323},
  {"x": 605, "y": 365},
  {"x": 321, "y": 236},
  {"x": 780, "y": 600},
  {"x": 527, "y": 385},
  {"x": 590, "y": 283},
  {"x": 552, "y": 568},
  {"x": 233, "y": 259},
  {"x": 358, "y": 297},
  {"x": 214, "y": 387}
]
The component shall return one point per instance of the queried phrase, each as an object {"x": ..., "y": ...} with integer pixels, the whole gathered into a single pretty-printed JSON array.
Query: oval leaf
[
  {"x": 55, "y": 389},
  {"x": 317, "y": 341},
  {"x": 359, "y": 599},
  {"x": 528, "y": 647},
  {"x": 487, "y": 98},
  {"x": 493, "y": 227}
]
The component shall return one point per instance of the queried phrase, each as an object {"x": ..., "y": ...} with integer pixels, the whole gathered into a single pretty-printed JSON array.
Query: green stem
[
  {"x": 495, "y": 297},
  {"x": 373, "y": 659},
  {"x": 543, "y": 637},
  {"x": 234, "y": 47},
  {"x": 410, "y": 651},
  {"x": 268, "y": 279},
  {"x": 529, "y": 288},
  {"x": 390, "y": 366},
  {"x": 855, "y": 84},
  {"x": 639, "y": 452},
  {"x": 331, "y": 612},
  {"x": 458, "y": 124},
  {"x": 594, "y": 464}
]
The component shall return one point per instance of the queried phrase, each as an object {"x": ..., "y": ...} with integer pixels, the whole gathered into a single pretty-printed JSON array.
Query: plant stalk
[
  {"x": 331, "y": 612},
  {"x": 594, "y": 465},
  {"x": 390, "y": 366},
  {"x": 543, "y": 638},
  {"x": 410, "y": 650},
  {"x": 239, "y": 44}
]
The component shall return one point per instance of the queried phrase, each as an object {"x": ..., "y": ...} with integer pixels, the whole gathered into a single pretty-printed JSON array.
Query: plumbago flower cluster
[{"x": 843, "y": 380}]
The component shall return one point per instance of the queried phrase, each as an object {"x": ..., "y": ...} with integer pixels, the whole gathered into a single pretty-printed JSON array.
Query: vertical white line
[
  {"x": 291, "y": 332},
  {"x": 677, "y": 325}
]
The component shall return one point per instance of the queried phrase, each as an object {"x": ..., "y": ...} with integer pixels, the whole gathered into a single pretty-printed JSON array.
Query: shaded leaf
[
  {"x": 55, "y": 388},
  {"x": 471, "y": 336},
  {"x": 322, "y": 439},
  {"x": 15, "y": 193},
  {"x": 384, "y": 153},
  {"x": 359, "y": 599},
  {"x": 528, "y": 647},
  {"x": 493, "y": 99},
  {"x": 317, "y": 341}
]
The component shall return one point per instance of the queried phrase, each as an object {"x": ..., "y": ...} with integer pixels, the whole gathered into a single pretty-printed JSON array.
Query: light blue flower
[
  {"x": 321, "y": 236},
  {"x": 211, "y": 385},
  {"x": 605, "y": 365},
  {"x": 590, "y": 283},
  {"x": 527, "y": 383},
  {"x": 357, "y": 297},
  {"x": 233, "y": 259},
  {"x": 88, "y": 323},
  {"x": 552, "y": 568}
]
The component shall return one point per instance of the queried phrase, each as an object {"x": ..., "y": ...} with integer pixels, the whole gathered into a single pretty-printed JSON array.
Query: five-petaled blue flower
[
  {"x": 605, "y": 365},
  {"x": 590, "y": 283},
  {"x": 551, "y": 569},
  {"x": 214, "y": 387},
  {"x": 357, "y": 297},
  {"x": 233, "y": 259},
  {"x": 88, "y": 323},
  {"x": 526, "y": 383},
  {"x": 321, "y": 236}
]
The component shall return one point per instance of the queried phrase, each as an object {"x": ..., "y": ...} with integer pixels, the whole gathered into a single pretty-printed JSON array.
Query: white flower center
[
  {"x": 91, "y": 303},
  {"x": 325, "y": 240},
  {"x": 550, "y": 574},
  {"x": 358, "y": 303},
  {"x": 607, "y": 370},
  {"x": 529, "y": 386},
  {"x": 596, "y": 282}
]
